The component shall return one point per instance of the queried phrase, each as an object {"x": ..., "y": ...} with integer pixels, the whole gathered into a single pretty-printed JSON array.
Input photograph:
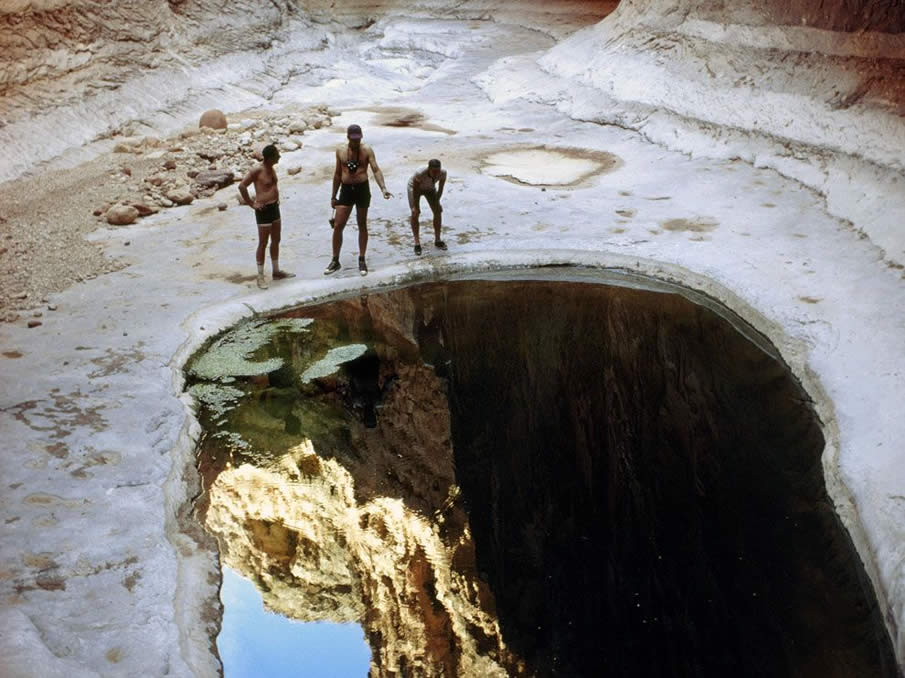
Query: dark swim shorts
[
  {"x": 268, "y": 214},
  {"x": 355, "y": 194}
]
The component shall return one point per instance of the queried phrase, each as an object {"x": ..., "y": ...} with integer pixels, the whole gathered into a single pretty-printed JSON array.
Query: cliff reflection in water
[{"x": 533, "y": 478}]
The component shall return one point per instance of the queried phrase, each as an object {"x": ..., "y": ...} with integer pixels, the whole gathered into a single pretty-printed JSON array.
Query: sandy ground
[
  {"x": 103, "y": 571},
  {"x": 43, "y": 221}
]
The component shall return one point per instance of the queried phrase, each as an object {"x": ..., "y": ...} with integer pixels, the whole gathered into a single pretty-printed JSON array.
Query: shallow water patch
[{"x": 547, "y": 166}]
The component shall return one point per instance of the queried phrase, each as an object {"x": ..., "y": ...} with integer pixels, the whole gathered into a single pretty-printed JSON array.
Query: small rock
[
  {"x": 180, "y": 196},
  {"x": 127, "y": 171},
  {"x": 298, "y": 127},
  {"x": 127, "y": 243},
  {"x": 222, "y": 206},
  {"x": 34, "y": 323},
  {"x": 98, "y": 212},
  {"x": 121, "y": 215},
  {"x": 292, "y": 171},
  {"x": 51, "y": 307},
  {"x": 215, "y": 177},
  {"x": 21, "y": 295},
  {"x": 192, "y": 173},
  {"x": 37, "y": 314},
  {"x": 144, "y": 210},
  {"x": 170, "y": 164}
]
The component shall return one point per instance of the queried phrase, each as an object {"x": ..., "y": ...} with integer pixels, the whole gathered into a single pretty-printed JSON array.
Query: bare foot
[{"x": 281, "y": 275}]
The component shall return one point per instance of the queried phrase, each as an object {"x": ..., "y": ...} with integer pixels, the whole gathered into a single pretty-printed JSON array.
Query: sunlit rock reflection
[{"x": 297, "y": 530}]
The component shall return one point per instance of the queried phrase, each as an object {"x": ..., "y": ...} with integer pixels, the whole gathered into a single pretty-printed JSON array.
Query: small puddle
[
  {"x": 547, "y": 166},
  {"x": 521, "y": 478}
]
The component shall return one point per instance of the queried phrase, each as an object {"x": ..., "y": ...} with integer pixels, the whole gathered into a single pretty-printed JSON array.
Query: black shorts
[
  {"x": 268, "y": 214},
  {"x": 355, "y": 194}
]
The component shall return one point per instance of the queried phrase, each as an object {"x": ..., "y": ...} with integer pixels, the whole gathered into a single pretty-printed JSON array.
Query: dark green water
[{"x": 642, "y": 483}]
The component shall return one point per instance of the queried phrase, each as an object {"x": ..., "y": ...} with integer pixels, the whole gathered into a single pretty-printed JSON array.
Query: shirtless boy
[
  {"x": 424, "y": 183},
  {"x": 266, "y": 205},
  {"x": 351, "y": 179}
]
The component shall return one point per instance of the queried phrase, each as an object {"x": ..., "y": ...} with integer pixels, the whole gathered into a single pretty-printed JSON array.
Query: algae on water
[
  {"x": 331, "y": 362},
  {"x": 217, "y": 398},
  {"x": 232, "y": 354}
]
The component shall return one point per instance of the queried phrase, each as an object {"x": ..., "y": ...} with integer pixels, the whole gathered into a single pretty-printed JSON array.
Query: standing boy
[
  {"x": 266, "y": 205},
  {"x": 351, "y": 179}
]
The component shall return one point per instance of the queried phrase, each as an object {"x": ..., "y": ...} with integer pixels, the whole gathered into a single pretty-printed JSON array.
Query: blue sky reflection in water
[{"x": 255, "y": 642}]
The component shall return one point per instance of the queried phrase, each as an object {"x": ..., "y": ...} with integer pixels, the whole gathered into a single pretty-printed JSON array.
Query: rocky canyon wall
[
  {"x": 73, "y": 73},
  {"x": 813, "y": 89}
]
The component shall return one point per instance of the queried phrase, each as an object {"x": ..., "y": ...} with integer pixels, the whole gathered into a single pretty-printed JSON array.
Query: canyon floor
[{"x": 103, "y": 572}]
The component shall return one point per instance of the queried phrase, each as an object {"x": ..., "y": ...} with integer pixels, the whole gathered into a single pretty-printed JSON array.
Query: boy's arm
[
  {"x": 337, "y": 178},
  {"x": 378, "y": 175},
  {"x": 243, "y": 187}
]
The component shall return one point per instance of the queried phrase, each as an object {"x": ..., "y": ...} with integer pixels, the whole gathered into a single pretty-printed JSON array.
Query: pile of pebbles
[{"x": 44, "y": 218}]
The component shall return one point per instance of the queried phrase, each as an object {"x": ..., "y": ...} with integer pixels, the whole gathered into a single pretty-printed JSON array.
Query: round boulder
[{"x": 213, "y": 118}]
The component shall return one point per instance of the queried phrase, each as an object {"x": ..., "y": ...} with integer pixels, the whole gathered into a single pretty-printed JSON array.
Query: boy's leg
[
  {"x": 361, "y": 214},
  {"x": 263, "y": 236},
  {"x": 437, "y": 209},
  {"x": 275, "y": 232},
  {"x": 342, "y": 216},
  {"x": 339, "y": 223}
]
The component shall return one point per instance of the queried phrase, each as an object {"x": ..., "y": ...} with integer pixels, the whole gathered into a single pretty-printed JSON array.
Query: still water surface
[{"x": 505, "y": 478}]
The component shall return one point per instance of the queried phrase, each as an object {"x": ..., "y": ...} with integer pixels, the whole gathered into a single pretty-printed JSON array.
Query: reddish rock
[
  {"x": 143, "y": 209},
  {"x": 180, "y": 196},
  {"x": 121, "y": 215},
  {"x": 218, "y": 178}
]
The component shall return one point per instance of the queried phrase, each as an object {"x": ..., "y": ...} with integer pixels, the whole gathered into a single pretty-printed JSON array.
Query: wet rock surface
[{"x": 647, "y": 500}]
